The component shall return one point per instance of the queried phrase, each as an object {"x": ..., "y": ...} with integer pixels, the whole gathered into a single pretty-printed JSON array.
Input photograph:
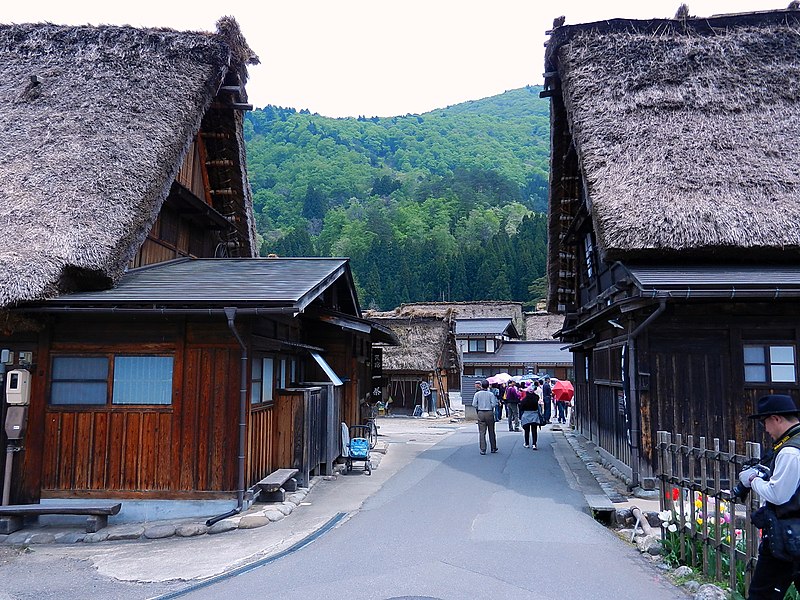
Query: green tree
[{"x": 428, "y": 207}]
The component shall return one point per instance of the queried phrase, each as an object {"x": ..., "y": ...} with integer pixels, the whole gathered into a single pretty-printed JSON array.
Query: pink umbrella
[
  {"x": 563, "y": 390},
  {"x": 503, "y": 377}
]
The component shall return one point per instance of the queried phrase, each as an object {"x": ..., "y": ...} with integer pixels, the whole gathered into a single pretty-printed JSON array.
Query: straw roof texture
[
  {"x": 426, "y": 343},
  {"x": 687, "y": 132},
  {"x": 485, "y": 309},
  {"x": 95, "y": 122},
  {"x": 542, "y": 325}
]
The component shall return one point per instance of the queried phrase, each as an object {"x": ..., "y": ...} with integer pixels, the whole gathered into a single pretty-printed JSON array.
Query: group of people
[{"x": 528, "y": 406}]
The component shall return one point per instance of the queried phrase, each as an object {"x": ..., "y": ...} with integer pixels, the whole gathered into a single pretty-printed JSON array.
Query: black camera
[{"x": 740, "y": 491}]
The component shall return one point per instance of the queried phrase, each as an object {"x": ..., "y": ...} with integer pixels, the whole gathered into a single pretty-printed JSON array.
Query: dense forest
[{"x": 446, "y": 205}]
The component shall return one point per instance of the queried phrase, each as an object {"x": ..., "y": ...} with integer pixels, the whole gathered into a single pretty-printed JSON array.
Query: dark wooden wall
[
  {"x": 691, "y": 377},
  {"x": 173, "y": 236},
  {"x": 207, "y": 428},
  {"x": 187, "y": 449}
]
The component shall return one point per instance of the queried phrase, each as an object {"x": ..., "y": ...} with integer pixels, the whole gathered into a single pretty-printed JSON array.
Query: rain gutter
[
  {"x": 116, "y": 310},
  {"x": 230, "y": 313}
]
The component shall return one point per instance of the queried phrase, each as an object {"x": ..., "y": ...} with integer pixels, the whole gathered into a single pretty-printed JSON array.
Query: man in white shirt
[{"x": 484, "y": 402}]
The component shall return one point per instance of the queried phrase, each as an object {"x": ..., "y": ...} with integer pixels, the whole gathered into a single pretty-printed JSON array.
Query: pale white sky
[{"x": 376, "y": 57}]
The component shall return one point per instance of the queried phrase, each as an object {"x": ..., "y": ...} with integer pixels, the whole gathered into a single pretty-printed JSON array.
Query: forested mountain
[{"x": 446, "y": 205}]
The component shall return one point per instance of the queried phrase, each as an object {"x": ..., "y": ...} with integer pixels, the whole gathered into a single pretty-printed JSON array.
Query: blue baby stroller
[{"x": 355, "y": 447}]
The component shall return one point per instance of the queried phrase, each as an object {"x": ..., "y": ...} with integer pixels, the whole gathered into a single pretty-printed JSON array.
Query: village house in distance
[
  {"x": 450, "y": 345},
  {"x": 163, "y": 363},
  {"x": 674, "y": 235}
]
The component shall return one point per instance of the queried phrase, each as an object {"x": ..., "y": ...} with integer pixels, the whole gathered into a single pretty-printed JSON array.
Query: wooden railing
[{"x": 707, "y": 528}]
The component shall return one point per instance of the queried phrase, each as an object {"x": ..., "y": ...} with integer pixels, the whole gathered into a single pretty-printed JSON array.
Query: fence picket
[{"x": 707, "y": 535}]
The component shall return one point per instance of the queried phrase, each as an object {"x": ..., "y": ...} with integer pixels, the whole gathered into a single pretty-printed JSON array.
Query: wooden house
[
  {"x": 420, "y": 362},
  {"x": 166, "y": 361},
  {"x": 480, "y": 309},
  {"x": 675, "y": 223}
]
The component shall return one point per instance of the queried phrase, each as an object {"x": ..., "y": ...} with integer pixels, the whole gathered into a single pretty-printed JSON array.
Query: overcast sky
[{"x": 376, "y": 57}]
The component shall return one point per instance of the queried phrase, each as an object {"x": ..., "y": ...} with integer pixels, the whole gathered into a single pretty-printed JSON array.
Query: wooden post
[
  {"x": 661, "y": 436},
  {"x": 749, "y": 530},
  {"x": 731, "y": 466},
  {"x": 692, "y": 483},
  {"x": 682, "y": 506},
  {"x": 703, "y": 454}
]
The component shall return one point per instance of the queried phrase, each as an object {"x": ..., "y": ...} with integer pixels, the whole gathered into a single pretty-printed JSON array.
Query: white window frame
[{"x": 774, "y": 362}]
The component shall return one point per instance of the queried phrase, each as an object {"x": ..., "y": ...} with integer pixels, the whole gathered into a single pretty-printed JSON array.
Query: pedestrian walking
[
  {"x": 780, "y": 489},
  {"x": 547, "y": 396},
  {"x": 531, "y": 416},
  {"x": 484, "y": 402},
  {"x": 512, "y": 406},
  {"x": 561, "y": 407}
]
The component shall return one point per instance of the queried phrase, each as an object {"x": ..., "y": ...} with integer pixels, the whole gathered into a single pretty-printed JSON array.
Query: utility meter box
[
  {"x": 16, "y": 420},
  {"x": 18, "y": 387}
]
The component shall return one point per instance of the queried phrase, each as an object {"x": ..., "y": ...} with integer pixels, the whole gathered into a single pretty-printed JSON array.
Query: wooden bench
[
  {"x": 274, "y": 486},
  {"x": 602, "y": 508},
  {"x": 12, "y": 516}
]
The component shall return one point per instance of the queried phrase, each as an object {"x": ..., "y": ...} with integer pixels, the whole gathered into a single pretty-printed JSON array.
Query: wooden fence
[{"x": 706, "y": 527}]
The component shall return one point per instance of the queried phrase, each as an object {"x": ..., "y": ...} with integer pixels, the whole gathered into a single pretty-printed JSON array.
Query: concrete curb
[{"x": 258, "y": 515}]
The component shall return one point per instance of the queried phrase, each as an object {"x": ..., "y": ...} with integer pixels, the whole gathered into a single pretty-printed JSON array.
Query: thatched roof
[
  {"x": 95, "y": 122},
  {"x": 686, "y": 133},
  {"x": 541, "y": 325},
  {"x": 486, "y": 309},
  {"x": 426, "y": 343}
]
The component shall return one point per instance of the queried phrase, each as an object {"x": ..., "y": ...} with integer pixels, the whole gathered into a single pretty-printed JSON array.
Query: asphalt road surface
[{"x": 455, "y": 525}]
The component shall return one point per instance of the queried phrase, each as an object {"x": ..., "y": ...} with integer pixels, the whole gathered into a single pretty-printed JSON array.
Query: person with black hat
[{"x": 780, "y": 491}]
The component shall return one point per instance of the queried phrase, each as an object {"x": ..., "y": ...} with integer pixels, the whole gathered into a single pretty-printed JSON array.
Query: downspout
[
  {"x": 230, "y": 312},
  {"x": 633, "y": 373}
]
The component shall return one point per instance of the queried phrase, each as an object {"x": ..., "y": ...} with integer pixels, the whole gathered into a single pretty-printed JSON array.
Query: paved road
[{"x": 455, "y": 525}]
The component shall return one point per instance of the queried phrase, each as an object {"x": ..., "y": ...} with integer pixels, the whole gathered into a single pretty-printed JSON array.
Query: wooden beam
[{"x": 224, "y": 162}]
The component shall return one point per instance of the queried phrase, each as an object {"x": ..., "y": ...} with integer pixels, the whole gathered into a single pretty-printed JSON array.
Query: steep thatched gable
[
  {"x": 426, "y": 343},
  {"x": 686, "y": 133},
  {"x": 542, "y": 325},
  {"x": 95, "y": 122}
]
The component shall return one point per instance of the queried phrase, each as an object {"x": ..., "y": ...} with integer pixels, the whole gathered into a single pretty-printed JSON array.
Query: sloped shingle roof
[
  {"x": 485, "y": 327},
  {"x": 227, "y": 281},
  {"x": 522, "y": 353}
]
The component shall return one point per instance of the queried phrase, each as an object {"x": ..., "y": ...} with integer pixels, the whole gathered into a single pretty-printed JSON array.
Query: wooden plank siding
[
  {"x": 284, "y": 424},
  {"x": 691, "y": 377},
  {"x": 181, "y": 450},
  {"x": 187, "y": 449},
  {"x": 191, "y": 173},
  {"x": 80, "y": 455},
  {"x": 208, "y": 427},
  {"x": 260, "y": 443}
]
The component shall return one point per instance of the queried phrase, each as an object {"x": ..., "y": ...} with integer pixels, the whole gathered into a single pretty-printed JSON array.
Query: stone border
[{"x": 258, "y": 515}]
